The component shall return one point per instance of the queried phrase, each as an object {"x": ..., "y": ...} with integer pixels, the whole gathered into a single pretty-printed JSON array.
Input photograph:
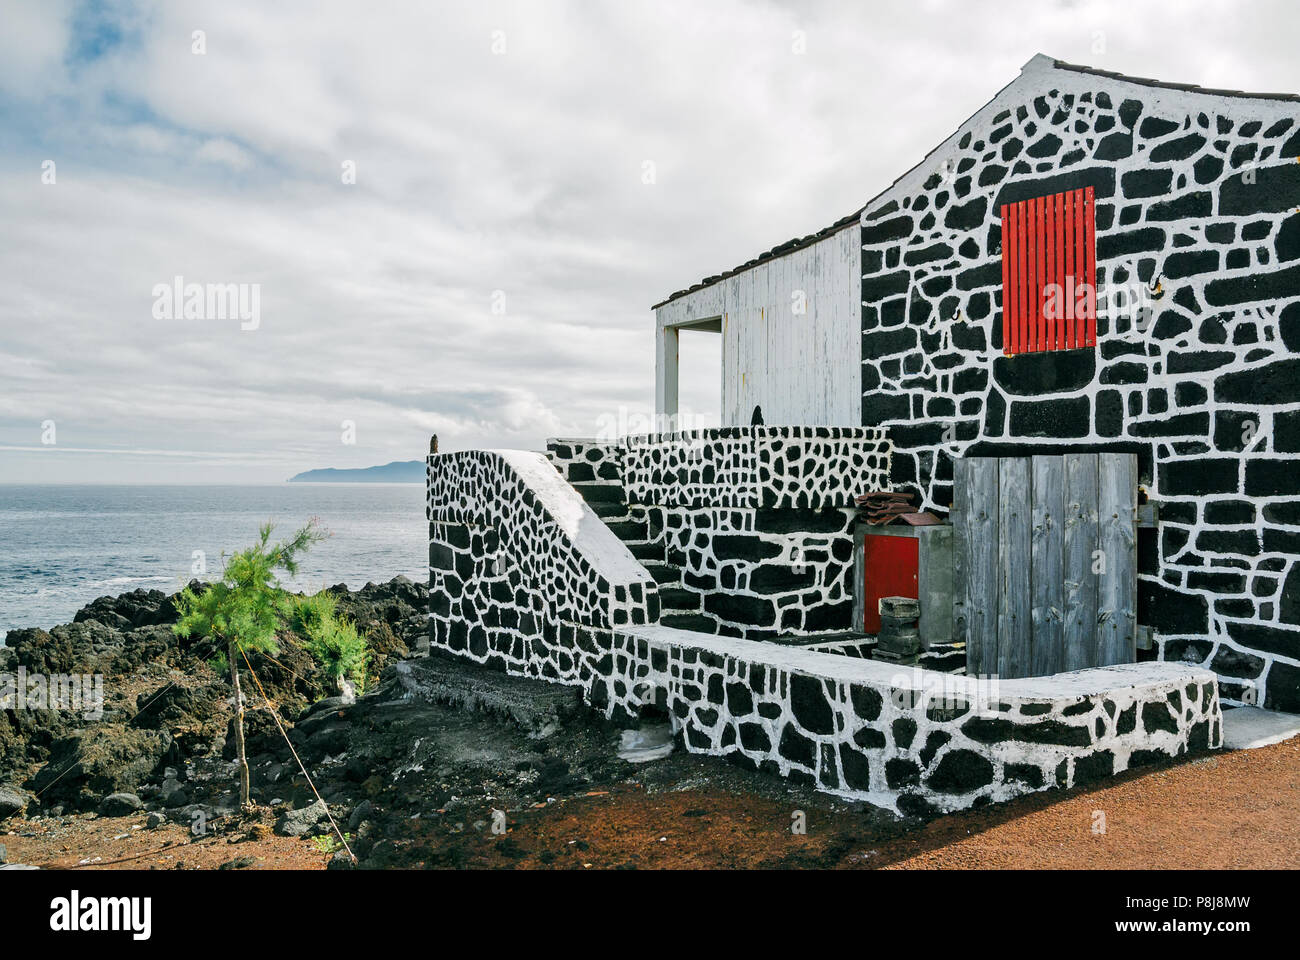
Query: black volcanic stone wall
[
  {"x": 486, "y": 610},
  {"x": 1198, "y": 199},
  {"x": 764, "y": 574},
  {"x": 506, "y": 585},
  {"x": 509, "y": 591},
  {"x": 779, "y": 467},
  {"x": 754, "y": 522},
  {"x": 920, "y": 750}
]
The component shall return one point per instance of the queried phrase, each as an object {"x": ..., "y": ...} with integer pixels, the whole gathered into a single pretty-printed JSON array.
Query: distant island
[{"x": 399, "y": 471}]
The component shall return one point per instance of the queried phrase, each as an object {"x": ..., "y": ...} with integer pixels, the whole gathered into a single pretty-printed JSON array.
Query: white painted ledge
[{"x": 831, "y": 666}]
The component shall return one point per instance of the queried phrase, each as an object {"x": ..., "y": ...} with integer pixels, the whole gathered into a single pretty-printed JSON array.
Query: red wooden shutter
[{"x": 1049, "y": 260}]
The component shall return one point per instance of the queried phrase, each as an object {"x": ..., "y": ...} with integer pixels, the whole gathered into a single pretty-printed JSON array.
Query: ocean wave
[{"x": 122, "y": 581}]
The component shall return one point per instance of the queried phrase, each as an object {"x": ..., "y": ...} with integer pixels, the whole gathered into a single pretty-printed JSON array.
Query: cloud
[
  {"x": 483, "y": 181},
  {"x": 221, "y": 151}
]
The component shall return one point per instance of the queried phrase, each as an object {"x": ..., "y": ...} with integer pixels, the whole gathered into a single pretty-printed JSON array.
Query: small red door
[{"x": 890, "y": 568}]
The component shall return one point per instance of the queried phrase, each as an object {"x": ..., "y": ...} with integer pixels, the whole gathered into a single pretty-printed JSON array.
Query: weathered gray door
[{"x": 1045, "y": 562}]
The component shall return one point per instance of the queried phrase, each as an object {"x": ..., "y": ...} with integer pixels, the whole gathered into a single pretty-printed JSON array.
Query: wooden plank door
[
  {"x": 1047, "y": 567},
  {"x": 1080, "y": 544},
  {"x": 1045, "y": 562},
  {"x": 976, "y": 562},
  {"x": 1015, "y": 626},
  {"x": 1117, "y": 557}
]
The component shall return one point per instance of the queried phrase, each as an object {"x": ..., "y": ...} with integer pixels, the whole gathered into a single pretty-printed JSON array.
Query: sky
[{"x": 454, "y": 218}]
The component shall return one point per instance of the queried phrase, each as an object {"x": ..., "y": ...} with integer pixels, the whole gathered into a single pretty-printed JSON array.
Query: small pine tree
[
  {"x": 243, "y": 611},
  {"x": 334, "y": 642},
  {"x": 308, "y": 613}
]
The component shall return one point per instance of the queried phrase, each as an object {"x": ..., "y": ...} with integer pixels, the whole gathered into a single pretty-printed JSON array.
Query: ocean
[{"x": 63, "y": 546}]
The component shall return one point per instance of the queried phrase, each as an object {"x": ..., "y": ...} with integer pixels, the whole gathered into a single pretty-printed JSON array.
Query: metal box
[{"x": 902, "y": 561}]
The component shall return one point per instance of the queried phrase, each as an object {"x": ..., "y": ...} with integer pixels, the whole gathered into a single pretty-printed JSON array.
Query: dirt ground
[
  {"x": 1237, "y": 810},
  {"x": 122, "y": 843}
]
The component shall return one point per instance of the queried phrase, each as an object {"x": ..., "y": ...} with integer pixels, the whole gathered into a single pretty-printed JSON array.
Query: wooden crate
[{"x": 903, "y": 561}]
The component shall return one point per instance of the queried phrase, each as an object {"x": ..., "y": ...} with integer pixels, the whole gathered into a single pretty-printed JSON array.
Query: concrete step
[
  {"x": 646, "y": 551},
  {"x": 535, "y": 705},
  {"x": 679, "y": 600},
  {"x": 601, "y": 492},
  {"x": 688, "y": 621},
  {"x": 1246, "y": 728},
  {"x": 610, "y": 510},
  {"x": 629, "y": 531},
  {"x": 664, "y": 573}
]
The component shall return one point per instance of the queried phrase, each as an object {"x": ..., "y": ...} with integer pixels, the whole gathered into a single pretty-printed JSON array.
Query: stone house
[
  {"x": 1193, "y": 365},
  {"x": 1091, "y": 264}
]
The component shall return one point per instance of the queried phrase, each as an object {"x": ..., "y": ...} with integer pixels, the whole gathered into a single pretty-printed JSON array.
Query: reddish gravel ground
[{"x": 1235, "y": 810}]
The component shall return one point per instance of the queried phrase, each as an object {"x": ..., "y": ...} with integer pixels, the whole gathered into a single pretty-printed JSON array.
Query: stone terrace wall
[
  {"x": 1198, "y": 197},
  {"x": 764, "y": 574},
  {"x": 523, "y": 579},
  {"x": 758, "y": 520},
  {"x": 517, "y": 559},
  {"x": 784, "y": 468},
  {"x": 912, "y": 740},
  {"x": 582, "y": 460}
]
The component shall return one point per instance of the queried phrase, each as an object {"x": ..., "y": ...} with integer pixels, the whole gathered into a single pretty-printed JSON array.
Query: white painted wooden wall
[{"x": 802, "y": 369}]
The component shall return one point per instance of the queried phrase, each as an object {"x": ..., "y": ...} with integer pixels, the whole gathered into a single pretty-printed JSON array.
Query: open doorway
[
  {"x": 699, "y": 378},
  {"x": 690, "y": 375}
]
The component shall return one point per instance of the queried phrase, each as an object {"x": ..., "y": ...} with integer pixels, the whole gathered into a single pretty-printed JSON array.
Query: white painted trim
[{"x": 833, "y": 666}]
